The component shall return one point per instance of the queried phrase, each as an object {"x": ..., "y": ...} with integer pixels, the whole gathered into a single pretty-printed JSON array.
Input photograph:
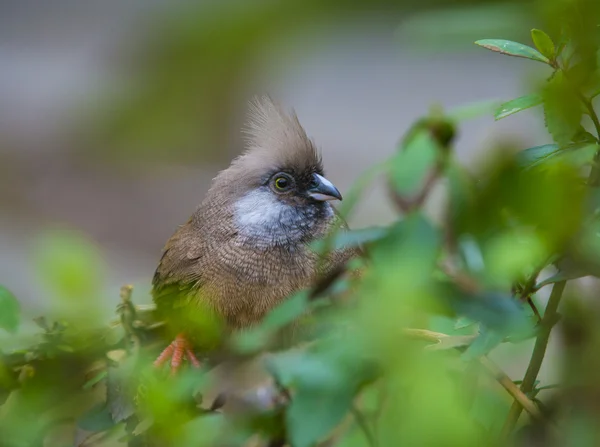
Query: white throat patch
[
  {"x": 258, "y": 209},
  {"x": 260, "y": 216}
]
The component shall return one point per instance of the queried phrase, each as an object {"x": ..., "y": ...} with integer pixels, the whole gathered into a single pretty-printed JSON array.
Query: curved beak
[{"x": 323, "y": 189}]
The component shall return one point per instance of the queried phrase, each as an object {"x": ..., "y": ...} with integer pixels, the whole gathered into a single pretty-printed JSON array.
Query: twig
[
  {"x": 406, "y": 205},
  {"x": 537, "y": 356},
  {"x": 364, "y": 425},
  {"x": 518, "y": 395}
]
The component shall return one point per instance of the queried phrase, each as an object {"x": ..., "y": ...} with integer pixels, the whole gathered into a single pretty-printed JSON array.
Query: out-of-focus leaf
[
  {"x": 562, "y": 109},
  {"x": 254, "y": 339},
  {"x": 324, "y": 384},
  {"x": 464, "y": 322},
  {"x": 483, "y": 344},
  {"x": 97, "y": 419},
  {"x": 579, "y": 153},
  {"x": 473, "y": 110},
  {"x": 94, "y": 380},
  {"x": 497, "y": 311},
  {"x": 511, "y": 253},
  {"x": 512, "y": 49},
  {"x": 413, "y": 162},
  {"x": 10, "y": 311},
  {"x": 544, "y": 43},
  {"x": 516, "y": 105},
  {"x": 451, "y": 342},
  {"x": 71, "y": 266},
  {"x": 357, "y": 238},
  {"x": 449, "y": 25},
  {"x": 286, "y": 312},
  {"x": 119, "y": 392},
  {"x": 537, "y": 154}
]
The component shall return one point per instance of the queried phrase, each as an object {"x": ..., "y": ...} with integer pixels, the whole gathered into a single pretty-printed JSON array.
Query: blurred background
[{"x": 115, "y": 116}]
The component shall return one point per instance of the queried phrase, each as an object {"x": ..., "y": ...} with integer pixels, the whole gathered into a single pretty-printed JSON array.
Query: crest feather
[
  {"x": 275, "y": 140},
  {"x": 277, "y": 136}
]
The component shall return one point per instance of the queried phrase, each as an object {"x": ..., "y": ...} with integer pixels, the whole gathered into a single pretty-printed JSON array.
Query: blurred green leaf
[
  {"x": 580, "y": 153},
  {"x": 544, "y": 43},
  {"x": 512, "y": 49},
  {"x": 97, "y": 419},
  {"x": 537, "y": 154},
  {"x": 95, "y": 380},
  {"x": 562, "y": 109},
  {"x": 10, "y": 311},
  {"x": 464, "y": 322},
  {"x": 455, "y": 26},
  {"x": 324, "y": 384},
  {"x": 516, "y": 105},
  {"x": 451, "y": 342},
  {"x": 357, "y": 238},
  {"x": 483, "y": 344},
  {"x": 254, "y": 339},
  {"x": 120, "y": 392},
  {"x": 71, "y": 266},
  {"x": 413, "y": 162},
  {"x": 473, "y": 110}
]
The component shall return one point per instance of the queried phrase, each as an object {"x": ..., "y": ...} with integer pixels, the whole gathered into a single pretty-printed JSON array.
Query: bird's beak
[{"x": 323, "y": 189}]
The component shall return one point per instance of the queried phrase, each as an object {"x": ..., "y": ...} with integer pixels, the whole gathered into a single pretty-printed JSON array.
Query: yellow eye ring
[{"x": 282, "y": 183}]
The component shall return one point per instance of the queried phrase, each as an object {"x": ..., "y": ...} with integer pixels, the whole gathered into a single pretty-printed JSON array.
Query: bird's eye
[{"x": 282, "y": 183}]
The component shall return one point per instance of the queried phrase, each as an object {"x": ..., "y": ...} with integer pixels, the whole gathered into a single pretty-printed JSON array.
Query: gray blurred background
[{"x": 80, "y": 150}]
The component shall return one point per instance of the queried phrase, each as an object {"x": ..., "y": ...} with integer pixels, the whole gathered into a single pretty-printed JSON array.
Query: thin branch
[
  {"x": 512, "y": 389},
  {"x": 537, "y": 356},
  {"x": 364, "y": 425}
]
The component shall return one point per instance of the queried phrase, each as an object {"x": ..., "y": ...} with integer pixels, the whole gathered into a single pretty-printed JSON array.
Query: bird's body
[{"x": 248, "y": 245}]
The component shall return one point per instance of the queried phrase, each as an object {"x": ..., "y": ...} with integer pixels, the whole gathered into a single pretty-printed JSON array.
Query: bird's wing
[{"x": 179, "y": 268}]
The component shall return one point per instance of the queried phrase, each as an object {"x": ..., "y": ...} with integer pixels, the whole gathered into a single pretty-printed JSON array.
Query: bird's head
[{"x": 277, "y": 189}]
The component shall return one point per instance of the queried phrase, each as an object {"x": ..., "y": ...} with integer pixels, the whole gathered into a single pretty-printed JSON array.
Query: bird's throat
[{"x": 264, "y": 219}]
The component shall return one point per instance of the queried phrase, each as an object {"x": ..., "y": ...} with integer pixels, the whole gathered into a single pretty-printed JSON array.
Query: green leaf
[
  {"x": 9, "y": 311},
  {"x": 413, "y": 162},
  {"x": 579, "y": 153},
  {"x": 324, "y": 382},
  {"x": 516, "y": 105},
  {"x": 483, "y": 344},
  {"x": 511, "y": 48},
  {"x": 97, "y": 419},
  {"x": 543, "y": 43},
  {"x": 120, "y": 390},
  {"x": 463, "y": 322},
  {"x": 451, "y": 342},
  {"x": 94, "y": 380},
  {"x": 356, "y": 238},
  {"x": 70, "y": 264},
  {"x": 253, "y": 339},
  {"x": 537, "y": 154},
  {"x": 562, "y": 110},
  {"x": 473, "y": 110}
]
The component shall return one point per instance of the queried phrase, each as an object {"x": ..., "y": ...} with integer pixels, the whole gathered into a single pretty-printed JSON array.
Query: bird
[{"x": 248, "y": 246}]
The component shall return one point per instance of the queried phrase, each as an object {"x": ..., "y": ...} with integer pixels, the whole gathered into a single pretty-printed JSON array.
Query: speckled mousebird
[{"x": 246, "y": 248}]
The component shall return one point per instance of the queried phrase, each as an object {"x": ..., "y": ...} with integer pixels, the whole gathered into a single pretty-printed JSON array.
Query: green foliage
[
  {"x": 543, "y": 43},
  {"x": 512, "y": 49},
  {"x": 517, "y": 105},
  {"x": 397, "y": 353},
  {"x": 9, "y": 311}
]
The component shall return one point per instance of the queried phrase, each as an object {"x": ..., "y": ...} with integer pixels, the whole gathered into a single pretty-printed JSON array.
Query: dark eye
[
  {"x": 282, "y": 182},
  {"x": 313, "y": 183}
]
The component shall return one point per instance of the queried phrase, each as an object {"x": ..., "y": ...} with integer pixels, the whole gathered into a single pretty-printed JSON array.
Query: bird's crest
[{"x": 275, "y": 138}]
